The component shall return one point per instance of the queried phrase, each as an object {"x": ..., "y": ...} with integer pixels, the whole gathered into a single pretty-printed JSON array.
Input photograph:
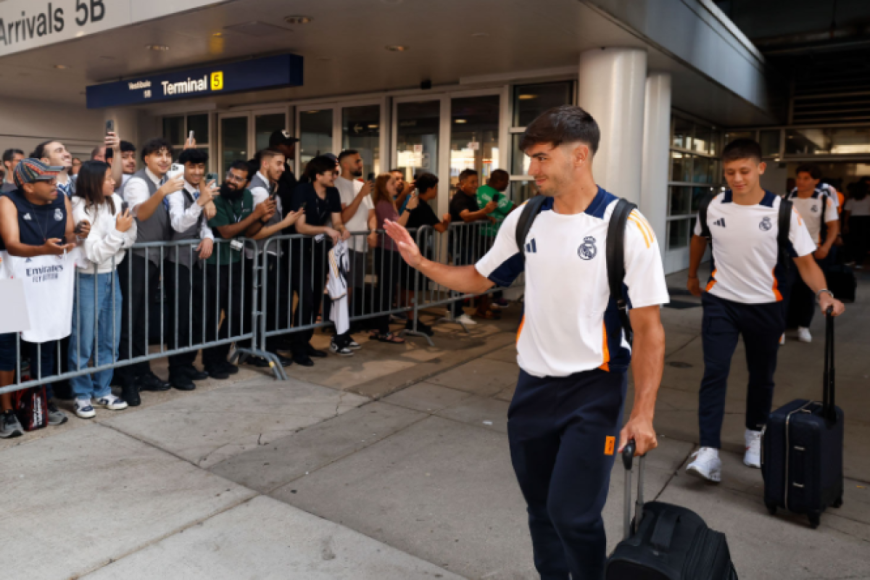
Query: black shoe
[
  {"x": 283, "y": 360},
  {"x": 303, "y": 360},
  {"x": 257, "y": 361},
  {"x": 151, "y": 382},
  {"x": 217, "y": 373},
  {"x": 130, "y": 393},
  {"x": 230, "y": 368},
  {"x": 313, "y": 352},
  {"x": 182, "y": 382},
  {"x": 195, "y": 374}
]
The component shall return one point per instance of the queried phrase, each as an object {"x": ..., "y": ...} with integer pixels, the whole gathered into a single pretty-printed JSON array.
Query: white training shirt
[
  {"x": 745, "y": 249},
  {"x": 811, "y": 209},
  {"x": 858, "y": 207},
  {"x": 570, "y": 323},
  {"x": 360, "y": 221}
]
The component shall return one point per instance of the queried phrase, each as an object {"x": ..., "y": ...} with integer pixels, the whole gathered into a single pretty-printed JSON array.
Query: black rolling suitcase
[
  {"x": 842, "y": 282},
  {"x": 666, "y": 542},
  {"x": 802, "y": 450}
]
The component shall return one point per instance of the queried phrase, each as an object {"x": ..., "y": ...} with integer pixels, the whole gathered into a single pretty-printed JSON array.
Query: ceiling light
[
  {"x": 298, "y": 19},
  {"x": 157, "y": 47},
  {"x": 397, "y": 48},
  {"x": 460, "y": 121},
  {"x": 60, "y": 66},
  {"x": 527, "y": 97},
  {"x": 312, "y": 112},
  {"x": 218, "y": 34}
]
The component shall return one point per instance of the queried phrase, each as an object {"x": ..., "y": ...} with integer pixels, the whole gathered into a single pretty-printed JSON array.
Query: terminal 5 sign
[{"x": 250, "y": 75}]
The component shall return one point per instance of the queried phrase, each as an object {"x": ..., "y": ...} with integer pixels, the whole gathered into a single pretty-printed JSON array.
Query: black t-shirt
[
  {"x": 461, "y": 202},
  {"x": 318, "y": 212},
  {"x": 422, "y": 215}
]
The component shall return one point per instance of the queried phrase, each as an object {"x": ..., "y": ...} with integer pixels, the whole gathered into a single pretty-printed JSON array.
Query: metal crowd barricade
[
  {"x": 273, "y": 285},
  {"x": 169, "y": 256}
]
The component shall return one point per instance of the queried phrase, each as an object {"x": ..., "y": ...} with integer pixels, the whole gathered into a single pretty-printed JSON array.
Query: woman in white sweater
[{"x": 98, "y": 289}]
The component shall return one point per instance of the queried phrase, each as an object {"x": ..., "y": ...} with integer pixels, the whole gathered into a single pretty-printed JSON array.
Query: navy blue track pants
[
  {"x": 563, "y": 434},
  {"x": 761, "y": 326}
]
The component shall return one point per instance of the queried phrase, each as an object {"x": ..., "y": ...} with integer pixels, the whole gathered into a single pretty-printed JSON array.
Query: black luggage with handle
[
  {"x": 842, "y": 282},
  {"x": 802, "y": 450},
  {"x": 665, "y": 541}
]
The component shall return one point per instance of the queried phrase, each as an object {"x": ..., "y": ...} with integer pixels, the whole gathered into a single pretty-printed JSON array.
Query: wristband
[{"x": 823, "y": 290}]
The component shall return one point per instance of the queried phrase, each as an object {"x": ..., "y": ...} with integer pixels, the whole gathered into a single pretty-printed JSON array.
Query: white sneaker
[
  {"x": 112, "y": 402},
  {"x": 706, "y": 464},
  {"x": 752, "y": 457},
  {"x": 782, "y": 339},
  {"x": 340, "y": 350},
  {"x": 466, "y": 320},
  {"x": 804, "y": 334},
  {"x": 84, "y": 409}
]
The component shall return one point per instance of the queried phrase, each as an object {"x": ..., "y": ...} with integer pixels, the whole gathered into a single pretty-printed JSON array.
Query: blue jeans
[{"x": 91, "y": 298}]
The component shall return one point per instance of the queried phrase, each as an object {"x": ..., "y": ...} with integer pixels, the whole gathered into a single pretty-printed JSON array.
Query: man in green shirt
[
  {"x": 494, "y": 191},
  {"x": 236, "y": 217}
]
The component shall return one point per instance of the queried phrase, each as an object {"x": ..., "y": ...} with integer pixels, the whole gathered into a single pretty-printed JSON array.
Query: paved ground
[{"x": 392, "y": 464}]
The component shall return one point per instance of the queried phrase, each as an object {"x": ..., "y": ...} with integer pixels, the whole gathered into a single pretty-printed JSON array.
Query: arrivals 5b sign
[{"x": 251, "y": 75}]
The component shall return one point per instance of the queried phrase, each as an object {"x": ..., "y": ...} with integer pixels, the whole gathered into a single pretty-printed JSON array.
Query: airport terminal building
[{"x": 441, "y": 86}]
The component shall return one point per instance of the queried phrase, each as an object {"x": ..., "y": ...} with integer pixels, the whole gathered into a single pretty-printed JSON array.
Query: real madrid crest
[
  {"x": 587, "y": 249},
  {"x": 765, "y": 224},
  {"x": 58, "y": 215}
]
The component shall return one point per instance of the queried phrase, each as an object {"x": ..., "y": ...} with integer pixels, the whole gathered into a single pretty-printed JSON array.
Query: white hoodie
[{"x": 104, "y": 242}]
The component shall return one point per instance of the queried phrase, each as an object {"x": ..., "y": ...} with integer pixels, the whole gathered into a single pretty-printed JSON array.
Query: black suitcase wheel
[
  {"x": 838, "y": 502},
  {"x": 771, "y": 508},
  {"x": 815, "y": 519}
]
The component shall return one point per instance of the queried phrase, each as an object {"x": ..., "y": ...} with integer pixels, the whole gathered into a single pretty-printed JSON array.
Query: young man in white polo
[
  {"x": 565, "y": 418},
  {"x": 744, "y": 297}
]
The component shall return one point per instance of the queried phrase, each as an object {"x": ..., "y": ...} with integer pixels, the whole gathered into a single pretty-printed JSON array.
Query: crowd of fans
[{"x": 211, "y": 233}]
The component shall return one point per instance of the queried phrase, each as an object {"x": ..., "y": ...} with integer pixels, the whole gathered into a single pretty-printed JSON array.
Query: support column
[
  {"x": 656, "y": 146},
  {"x": 611, "y": 89}
]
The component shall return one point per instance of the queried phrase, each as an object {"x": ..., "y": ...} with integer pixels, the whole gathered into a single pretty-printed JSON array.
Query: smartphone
[
  {"x": 211, "y": 177},
  {"x": 110, "y": 126},
  {"x": 496, "y": 196},
  {"x": 79, "y": 228},
  {"x": 175, "y": 170},
  {"x": 124, "y": 207},
  {"x": 190, "y": 137},
  {"x": 371, "y": 176}
]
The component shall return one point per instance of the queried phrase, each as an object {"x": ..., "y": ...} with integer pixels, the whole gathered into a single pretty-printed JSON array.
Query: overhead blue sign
[{"x": 250, "y": 75}]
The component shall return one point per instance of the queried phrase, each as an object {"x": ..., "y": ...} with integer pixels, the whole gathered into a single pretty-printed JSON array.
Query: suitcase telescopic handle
[
  {"x": 627, "y": 460},
  {"x": 828, "y": 404}
]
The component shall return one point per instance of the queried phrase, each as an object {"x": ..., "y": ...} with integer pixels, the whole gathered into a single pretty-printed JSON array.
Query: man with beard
[
  {"x": 282, "y": 142},
  {"x": 263, "y": 188},
  {"x": 235, "y": 217},
  {"x": 128, "y": 163},
  {"x": 356, "y": 211}
]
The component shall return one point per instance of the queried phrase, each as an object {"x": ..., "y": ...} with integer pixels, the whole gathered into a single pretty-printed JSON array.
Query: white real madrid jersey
[
  {"x": 570, "y": 323},
  {"x": 811, "y": 209},
  {"x": 746, "y": 265}
]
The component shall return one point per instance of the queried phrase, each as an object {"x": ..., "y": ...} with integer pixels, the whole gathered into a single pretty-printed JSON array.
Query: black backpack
[
  {"x": 785, "y": 209},
  {"x": 615, "y": 250}
]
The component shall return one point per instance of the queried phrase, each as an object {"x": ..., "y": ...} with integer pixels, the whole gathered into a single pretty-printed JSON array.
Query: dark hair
[
  {"x": 10, "y": 154},
  {"x": 565, "y": 124},
  {"x": 347, "y": 153},
  {"x": 500, "y": 175},
  {"x": 127, "y": 146},
  {"x": 195, "y": 156},
  {"x": 742, "y": 149},
  {"x": 96, "y": 150},
  {"x": 154, "y": 146},
  {"x": 39, "y": 152},
  {"x": 89, "y": 184},
  {"x": 466, "y": 173},
  {"x": 425, "y": 182},
  {"x": 241, "y": 166},
  {"x": 861, "y": 189},
  {"x": 810, "y": 168},
  {"x": 396, "y": 171},
  {"x": 253, "y": 164},
  {"x": 318, "y": 165}
]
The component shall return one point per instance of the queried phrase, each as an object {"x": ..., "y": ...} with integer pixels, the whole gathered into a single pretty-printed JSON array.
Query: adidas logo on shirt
[
  {"x": 720, "y": 222},
  {"x": 532, "y": 247}
]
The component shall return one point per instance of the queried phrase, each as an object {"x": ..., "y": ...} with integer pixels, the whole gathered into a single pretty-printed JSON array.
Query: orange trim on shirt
[
  {"x": 646, "y": 236},
  {"x": 776, "y": 292},
  {"x": 643, "y": 222},
  {"x": 712, "y": 281},
  {"x": 520, "y": 329},
  {"x": 605, "y": 366}
]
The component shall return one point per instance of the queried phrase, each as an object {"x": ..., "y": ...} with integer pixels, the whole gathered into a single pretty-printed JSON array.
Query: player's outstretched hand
[{"x": 406, "y": 244}]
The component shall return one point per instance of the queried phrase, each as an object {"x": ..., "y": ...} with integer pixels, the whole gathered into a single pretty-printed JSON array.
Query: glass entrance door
[
  {"x": 233, "y": 142},
  {"x": 315, "y": 134},
  {"x": 418, "y": 129}
]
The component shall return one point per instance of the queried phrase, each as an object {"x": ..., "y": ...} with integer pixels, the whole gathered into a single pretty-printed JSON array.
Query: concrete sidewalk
[{"x": 392, "y": 464}]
